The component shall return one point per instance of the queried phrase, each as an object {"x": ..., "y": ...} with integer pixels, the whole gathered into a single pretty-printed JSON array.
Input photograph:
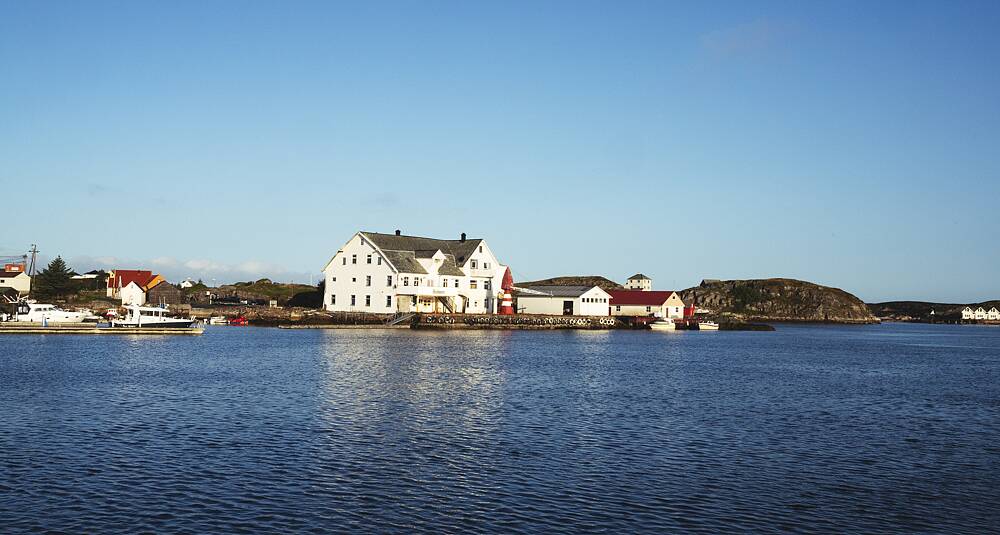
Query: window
[
  {"x": 647, "y": 309},
  {"x": 354, "y": 259},
  {"x": 388, "y": 280},
  {"x": 333, "y": 299},
  {"x": 388, "y": 301},
  {"x": 414, "y": 300},
  {"x": 353, "y": 301},
  {"x": 368, "y": 300},
  {"x": 473, "y": 264},
  {"x": 486, "y": 265},
  {"x": 473, "y": 284},
  {"x": 456, "y": 283},
  {"x": 406, "y": 281},
  {"x": 380, "y": 260},
  {"x": 345, "y": 260},
  {"x": 480, "y": 248},
  {"x": 618, "y": 309},
  {"x": 368, "y": 280},
  {"x": 369, "y": 259},
  {"x": 416, "y": 281},
  {"x": 333, "y": 279},
  {"x": 354, "y": 279},
  {"x": 486, "y": 284},
  {"x": 445, "y": 281}
]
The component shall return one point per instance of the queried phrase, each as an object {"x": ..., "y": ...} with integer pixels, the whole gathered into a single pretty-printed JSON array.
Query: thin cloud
[{"x": 754, "y": 38}]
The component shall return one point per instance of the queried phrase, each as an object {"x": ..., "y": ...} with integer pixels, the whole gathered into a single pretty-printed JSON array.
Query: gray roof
[
  {"x": 557, "y": 291},
  {"x": 639, "y": 276},
  {"x": 404, "y": 261},
  {"x": 449, "y": 267},
  {"x": 459, "y": 249}
]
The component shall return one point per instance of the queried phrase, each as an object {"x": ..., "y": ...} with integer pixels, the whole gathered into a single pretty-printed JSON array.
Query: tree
[{"x": 54, "y": 281}]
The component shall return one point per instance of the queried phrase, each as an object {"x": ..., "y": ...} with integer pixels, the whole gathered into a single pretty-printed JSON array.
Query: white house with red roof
[
  {"x": 131, "y": 285},
  {"x": 663, "y": 304},
  {"x": 14, "y": 279}
]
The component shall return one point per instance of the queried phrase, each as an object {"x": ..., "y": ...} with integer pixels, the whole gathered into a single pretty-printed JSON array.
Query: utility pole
[{"x": 31, "y": 267}]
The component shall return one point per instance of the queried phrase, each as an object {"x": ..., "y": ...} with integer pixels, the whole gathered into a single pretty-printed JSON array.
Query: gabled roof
[
  {"x": 12, "y": 274},
  {"x": 635, "y": 297},
  {"x": 639, "y": 276},
  {"x": 405, "y": 261},
  {"x": 558, "y": 291},
  {"x": 122, "y": 277},
  {"x": 459, "y": 249},
  {"x": 449, "y": 267}
]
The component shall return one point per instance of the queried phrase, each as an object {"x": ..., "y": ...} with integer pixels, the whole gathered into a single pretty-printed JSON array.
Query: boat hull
[{"x": 156, "y": 325}]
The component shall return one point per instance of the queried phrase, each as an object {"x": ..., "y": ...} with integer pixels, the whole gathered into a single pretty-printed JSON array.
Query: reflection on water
[{"x": 864, "y": 429}]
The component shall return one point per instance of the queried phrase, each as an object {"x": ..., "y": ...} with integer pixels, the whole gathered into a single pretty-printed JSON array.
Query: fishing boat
[
  {"x": 663, "y": 324},
  {"x": 218, "y": 320},
  {"x": 708, "y": 326},
  {"x": 31, "y": 311},
  {"x": 150, "y": 318}
]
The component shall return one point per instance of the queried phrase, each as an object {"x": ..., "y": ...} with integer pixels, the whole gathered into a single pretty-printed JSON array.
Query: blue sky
[{"x": 853, "y": 144}]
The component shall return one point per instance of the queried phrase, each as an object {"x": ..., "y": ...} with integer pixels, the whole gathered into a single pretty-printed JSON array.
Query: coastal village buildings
[
  {"x": 563, "y": 300},
  {"x": 639, "y": 282},
  {"x": 13, "y": 279},
  {"x": 164, "y": 293},
  {"x": 662, "y": 304},
  {"x": 993, "y": 314},
  {"x": 131, "y": 285},
  {"x": 980, "y": 314},
  {"x": 390, "y": 273}
]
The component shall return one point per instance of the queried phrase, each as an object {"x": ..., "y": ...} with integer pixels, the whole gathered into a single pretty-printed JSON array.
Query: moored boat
[
  {"x": 663, "y": 324},
  {"x": 30, "y": 311},
  {"x": 708, "y": 326},
  {"x": 150, "y": 318}
]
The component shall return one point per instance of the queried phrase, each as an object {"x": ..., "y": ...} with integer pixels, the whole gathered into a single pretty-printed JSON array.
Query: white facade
[
  {"x": 993, "y": 314},
  {"x": 665, "y": 305},
  {"x": 412, "y": 274},
  {"x": 639, "y": 282},
  {"x": 968, "y": 313},
  {"x": 132, "y": 294},
  {"x": 18, "y": 281},
  {"x": 591, "y": 301},
  {"x": 980, "y": 314}
]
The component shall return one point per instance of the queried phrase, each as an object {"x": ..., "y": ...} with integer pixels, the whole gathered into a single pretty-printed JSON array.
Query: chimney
[
  {"x": 463, "y": 237},
  {"x": 397, "y": 232}
]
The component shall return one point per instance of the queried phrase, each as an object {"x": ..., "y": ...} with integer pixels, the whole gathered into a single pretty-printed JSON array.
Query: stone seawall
[{"x": 520, "y": 321}]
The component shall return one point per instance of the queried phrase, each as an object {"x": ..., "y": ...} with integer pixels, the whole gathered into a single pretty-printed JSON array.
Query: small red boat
[{"x": 239, "y": 321}]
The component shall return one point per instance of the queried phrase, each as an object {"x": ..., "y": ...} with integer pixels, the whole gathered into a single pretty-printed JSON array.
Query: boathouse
[
  {"x": 563, "y": 300},
  {"x": 663, "y": 304}
]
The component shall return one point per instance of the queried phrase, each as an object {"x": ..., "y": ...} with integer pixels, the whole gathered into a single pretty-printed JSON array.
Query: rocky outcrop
[
  {"x": 778, "y": 300},
  {"x": 584, "y": 280}
]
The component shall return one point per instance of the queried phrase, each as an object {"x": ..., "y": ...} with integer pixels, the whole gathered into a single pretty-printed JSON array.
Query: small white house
[
  {"x": 662, "y": 304},
  {"x": 968, "y": 313},
  {"x": 563, "y": 300},
  {"x": 639, "y": 282},
  {"x": 993, "y": 314},
  {"x": 980, "y": 313},
  {"x": 18, "y": 281},
  {"x": 132, "y": 294}
]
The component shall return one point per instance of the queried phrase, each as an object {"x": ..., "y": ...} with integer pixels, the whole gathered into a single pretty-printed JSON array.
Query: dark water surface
[{"x": 892, "y": 428}]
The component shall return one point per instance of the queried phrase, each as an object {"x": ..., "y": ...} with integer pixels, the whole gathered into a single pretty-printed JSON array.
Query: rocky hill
[
  {"x": 920, "y": 311},
  {"x": 585, "y": 280},
  {"x": 779, "y": 300}
]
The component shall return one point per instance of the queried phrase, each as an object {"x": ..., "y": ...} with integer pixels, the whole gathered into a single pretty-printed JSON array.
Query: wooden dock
[{"x": 37, "y": 328}]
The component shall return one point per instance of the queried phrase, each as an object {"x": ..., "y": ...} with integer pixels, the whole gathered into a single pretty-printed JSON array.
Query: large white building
[
  {"x": 563, "y": 300},
  {"x": 389, "y": 273}
]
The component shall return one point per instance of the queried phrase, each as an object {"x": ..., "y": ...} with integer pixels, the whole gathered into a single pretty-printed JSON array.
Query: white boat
[
  {"x": 218, "y": 320},
  {"x": 663, "y": 324},
  {"x": 708, "y": 326},
  {"x": 45, "y": 313},
  {"x": 150, "y": 318}
]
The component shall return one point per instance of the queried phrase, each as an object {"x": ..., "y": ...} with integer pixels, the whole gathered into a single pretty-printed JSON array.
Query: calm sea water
[{"x": 892, "y": 428}]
